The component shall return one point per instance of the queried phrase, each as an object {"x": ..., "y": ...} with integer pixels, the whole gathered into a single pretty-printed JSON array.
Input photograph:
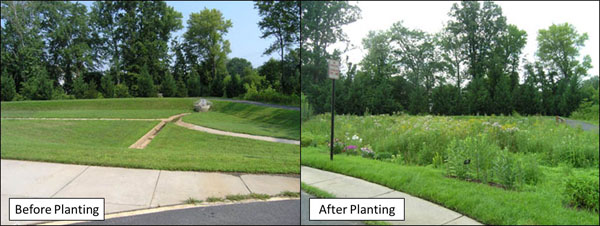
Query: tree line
[
  {"x": 59, "y": 50},
  {"x": 472, "y": 66}
]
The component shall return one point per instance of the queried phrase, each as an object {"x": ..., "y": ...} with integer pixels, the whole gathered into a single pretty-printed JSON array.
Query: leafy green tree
[
  {"x": 270, "y": 70},
  {"x": 280, "y": 19},
  {"x": 236, "y": 66},
  {"x": 558, "y": 48},
  {"x": 321, "y": 25},
  {"x": 180, "y": 67},
  {"x": 66, "y": 30},
  {"x": 558, "y": 53},
  {"x": 417, "y": 57},
  {"x": 22, "y": 41},
  {"x": 452, "y": 57},
  {"x": 479, "y": 28},
  {"x": 205, "y": 41}
]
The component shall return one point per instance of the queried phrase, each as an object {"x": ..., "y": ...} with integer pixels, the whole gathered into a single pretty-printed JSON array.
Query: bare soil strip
[
  {"x": 181, "y": 123},
  {"x": 147, "y": 138}
]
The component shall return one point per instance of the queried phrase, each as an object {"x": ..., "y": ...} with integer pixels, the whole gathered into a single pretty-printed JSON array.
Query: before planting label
[
  {"x": 50, "y": 209},
  {"x": 379, "y": 209}
]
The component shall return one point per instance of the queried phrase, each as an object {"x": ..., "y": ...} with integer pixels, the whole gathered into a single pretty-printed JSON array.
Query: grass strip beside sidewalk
[{"x": 541, "y": 204}]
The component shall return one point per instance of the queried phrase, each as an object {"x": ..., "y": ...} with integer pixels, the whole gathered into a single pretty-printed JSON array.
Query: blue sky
[{"x": 244, "y": 35}]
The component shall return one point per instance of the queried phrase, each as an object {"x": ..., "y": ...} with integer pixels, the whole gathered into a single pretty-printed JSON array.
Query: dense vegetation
[
  {"x": 499, "y": 156},
  {"x": 472, "y": 66},
  {"x": 62, "y": 50}
]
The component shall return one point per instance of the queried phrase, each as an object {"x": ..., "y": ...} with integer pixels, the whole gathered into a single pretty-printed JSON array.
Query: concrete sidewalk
[
  {"x": 418, "y": 211},
  {"x": 127, "y": 189},
  {"x": 233, "y": 134}
]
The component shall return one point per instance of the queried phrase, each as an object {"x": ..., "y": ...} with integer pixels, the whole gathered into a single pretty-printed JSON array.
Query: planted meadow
[{"x": 515, "y": 154}]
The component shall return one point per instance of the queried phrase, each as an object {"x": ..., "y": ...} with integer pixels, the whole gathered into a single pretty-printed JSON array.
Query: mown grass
[
  {"x": 105, "y": 143},
  {"x": 249, "y": 119},
  {"x": 99, "y": 108},
  {"x": 539, "y": 204},
  {"x": 315, "y": 191}
]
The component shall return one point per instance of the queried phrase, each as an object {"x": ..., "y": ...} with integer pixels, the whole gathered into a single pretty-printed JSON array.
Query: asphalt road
[
  {"x": 584, "y": 125},
  {"x": 283, "y": 212},
  {"x": 305, "y": 219}
]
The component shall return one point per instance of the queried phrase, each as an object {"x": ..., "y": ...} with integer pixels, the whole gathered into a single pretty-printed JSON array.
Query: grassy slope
[
  {"x": 106, "y": 143},
  {"x": 490, "y": 205},
  {"x": 99, "y": 108},
  {"x": 249, "y": 119}
]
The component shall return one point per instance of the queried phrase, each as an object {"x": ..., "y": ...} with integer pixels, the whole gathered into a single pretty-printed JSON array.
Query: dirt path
[
  {"x": 584, "y": 125},
  {"x": 181, "y": 123},
  {"x": 258, "y": 103}
]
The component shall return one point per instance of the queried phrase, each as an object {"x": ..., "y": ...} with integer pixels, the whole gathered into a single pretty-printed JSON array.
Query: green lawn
[
  {"x": 539, "y": 204},
  {"x": 99, "y": 108},
  {"x": 106, "y": 143},
  {"x": 249, "y": 119}
]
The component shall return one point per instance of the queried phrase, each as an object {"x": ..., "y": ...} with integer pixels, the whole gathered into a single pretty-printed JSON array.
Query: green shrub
[
  {"x": 270, "y": 95},
  {"x": 531, "y": 172},
  {"x": 121, "y": 91},
  {"x": 59, "y": 94},
  {"x": 383, "y": 156},
  {"x": 306, "y": 141},
  {"x": 582, "y": 192}
]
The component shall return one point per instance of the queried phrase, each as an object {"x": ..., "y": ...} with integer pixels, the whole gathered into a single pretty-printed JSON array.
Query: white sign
[
  {"x": 378, "y": 209},
  {"x": 333, "y": 69},
  {"x": 50, "y": 209}
]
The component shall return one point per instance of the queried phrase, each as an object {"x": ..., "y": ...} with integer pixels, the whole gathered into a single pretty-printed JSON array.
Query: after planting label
[
  {"x": 49, "y": 209},
  {"x": 388, "y": 209}
]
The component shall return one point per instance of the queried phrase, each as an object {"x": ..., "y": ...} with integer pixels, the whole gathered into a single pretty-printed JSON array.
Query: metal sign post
[{"x": 334, "y": 73}]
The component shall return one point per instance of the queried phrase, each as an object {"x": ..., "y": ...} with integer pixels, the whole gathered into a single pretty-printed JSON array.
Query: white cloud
[{"x": 430, "y": 17}]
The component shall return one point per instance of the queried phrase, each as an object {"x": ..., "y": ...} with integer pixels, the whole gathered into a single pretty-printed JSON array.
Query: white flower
[{"x": 355, "y": 137}]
